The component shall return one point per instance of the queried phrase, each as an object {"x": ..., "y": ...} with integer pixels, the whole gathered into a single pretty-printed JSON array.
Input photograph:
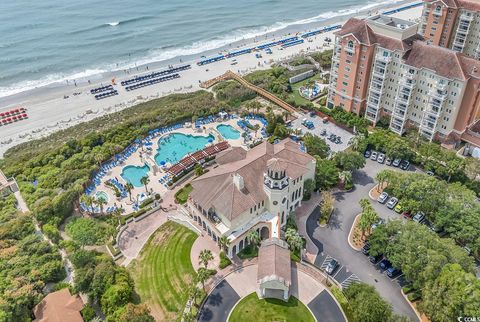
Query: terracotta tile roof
[
  {"x": 217, "y": 189},
  {"x": 442, "y": 61},
  {"x": 59, "y": 306},
  {"x": 274, "y": 262},
  {"x": 473, "y": 5},
  {"x": 359, "y": 29}
]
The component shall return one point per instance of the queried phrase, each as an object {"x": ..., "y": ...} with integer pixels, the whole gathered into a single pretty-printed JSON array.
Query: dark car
[
  {"x": 374, "y": 259},
  {"x": 385, "y": 264},
  {"x": 367, "y": 154},
  {"x": 404, "y": 165},
  {"x": 366, "y": 248},
  {"x": 331, "y": 267},
  {"x": 393, "y": 272}
]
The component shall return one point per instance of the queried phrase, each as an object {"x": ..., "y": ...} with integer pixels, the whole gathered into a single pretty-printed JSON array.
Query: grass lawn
[
  {"x": 182, "y": 195},
  {"x": 163, "y": 272},
  {"x": 251, "y": 308}
]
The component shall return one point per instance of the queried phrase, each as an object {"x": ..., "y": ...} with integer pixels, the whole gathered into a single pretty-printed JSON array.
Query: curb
[
  {"x": 411, "y": 305},
  {"x": 351, "y": 232},
  {"x": 370, "y": 192}
]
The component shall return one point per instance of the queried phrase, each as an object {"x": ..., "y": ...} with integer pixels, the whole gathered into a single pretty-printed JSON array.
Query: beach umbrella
[
  {"x": 149, "y": 144},
  {"x": 162, "y": 162},
  {"x": 210, "y": 140}
]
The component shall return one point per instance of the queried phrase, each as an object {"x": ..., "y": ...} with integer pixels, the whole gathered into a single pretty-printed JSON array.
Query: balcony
[
  {"x": 380, "y": 73},
  {"x": 441, "y": 86},
  {"x": 350, "y": 50},
  {"x": 376, "y": 88},
  {"x": 437, "y": 13},
  {"x": 383, "y": 59},
  {"x": 467, "y": 17},
  {"x": 438, "y": 95}
]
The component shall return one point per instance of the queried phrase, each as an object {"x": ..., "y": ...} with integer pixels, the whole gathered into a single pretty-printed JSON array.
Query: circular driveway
[{"x": 242, "y": 282}]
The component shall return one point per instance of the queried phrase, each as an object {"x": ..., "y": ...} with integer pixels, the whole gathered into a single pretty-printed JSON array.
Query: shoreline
[{"x": 49, "y": 111}]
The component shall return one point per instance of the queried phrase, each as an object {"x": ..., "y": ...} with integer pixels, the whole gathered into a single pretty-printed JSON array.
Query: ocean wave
[
  {"x": 46, "y": 81},
  {"x": 196, "y": 48},
  {"x": 110, "y": 24}
]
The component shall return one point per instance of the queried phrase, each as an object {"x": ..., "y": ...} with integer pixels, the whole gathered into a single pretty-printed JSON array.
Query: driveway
[
  {"x": 329, "y": 127},
  {"x": 331, "y": 241},
  {"x": 243, "y": 282}
]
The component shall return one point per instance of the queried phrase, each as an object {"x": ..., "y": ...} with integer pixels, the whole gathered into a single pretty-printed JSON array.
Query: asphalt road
[
  {"x": 325, "y": 309},
  {"x": 332, "y": 240},
  {"x": 219, "y": 303}
]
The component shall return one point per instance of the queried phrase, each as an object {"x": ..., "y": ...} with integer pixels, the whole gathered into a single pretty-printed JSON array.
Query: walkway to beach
[{"x": 260, "y": 91}]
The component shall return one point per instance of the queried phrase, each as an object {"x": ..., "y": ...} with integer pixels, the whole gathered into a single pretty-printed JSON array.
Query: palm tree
[
  {"x": 368, "y": 216},
  {"x": 256, "y": 127},
  {"x": 357, "y": 141},
  {"x": 382, "y": 178},
  {"x": 224, "y": 242},
  {"x": 100, "y": 202},
  {"x": 345, "y": 177},
  {"x": 88, "y": 201},
  {"x": 253, "y": 238},
  {"x": 145, "y": 180},
  {"x": 289, "y": 234},
  {"x": 202, "y": 276},
  {"x": 129, "y": 188},
  {"x": 194, "y": 293},
  {"x": 99, "y": 157},
  {"x": 205, "y": 257},
  {"x": 296, "y": 242},
  {"x": 285, "y": 115}
]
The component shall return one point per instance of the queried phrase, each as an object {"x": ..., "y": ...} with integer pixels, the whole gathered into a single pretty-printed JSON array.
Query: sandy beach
[{"x": 49, "y": 111}]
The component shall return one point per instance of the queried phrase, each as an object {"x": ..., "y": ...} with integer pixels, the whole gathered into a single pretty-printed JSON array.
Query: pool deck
[{"x": 142, "y": 156}]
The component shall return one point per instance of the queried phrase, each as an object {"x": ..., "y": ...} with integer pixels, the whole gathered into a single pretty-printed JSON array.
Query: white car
[
  {"x": 392, "y": 203},
  {"x": 383, "y": 197},
  {"x": 374, "y": 156},
  {"x": 381, "y": 158}
]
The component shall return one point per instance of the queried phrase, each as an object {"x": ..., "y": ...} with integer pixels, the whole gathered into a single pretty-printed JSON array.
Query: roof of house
[
  {"x": 274, "y": 262},
  {"x": 59, "y": 306},
  {"x": 217, "y": 188},
  {"x": 442, "y": 61},
  {"x": 360, "y": 29},
  {"x": 473, "y": 5}
]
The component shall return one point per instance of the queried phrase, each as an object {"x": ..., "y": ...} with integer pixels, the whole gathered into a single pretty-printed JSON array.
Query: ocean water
[{"x": 48, "y": 41}]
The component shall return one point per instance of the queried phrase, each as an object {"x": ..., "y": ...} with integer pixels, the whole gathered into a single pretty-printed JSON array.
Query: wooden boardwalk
[{"x": 260, "y": 91}]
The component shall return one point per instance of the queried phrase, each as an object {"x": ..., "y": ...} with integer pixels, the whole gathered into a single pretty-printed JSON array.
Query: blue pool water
[
  {"x": 228, "y": 132},
  {"x": 174, "y": 147},
  {"x": 133, "y": 174}
]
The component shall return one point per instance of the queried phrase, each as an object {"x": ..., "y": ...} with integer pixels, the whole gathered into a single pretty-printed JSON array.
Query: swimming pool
[
  {"x": 174, "y": 147},
  {"x": 101, "y": 195},
  {"x": 228, "y": 132},
  {"x": 134, "y": 174}
]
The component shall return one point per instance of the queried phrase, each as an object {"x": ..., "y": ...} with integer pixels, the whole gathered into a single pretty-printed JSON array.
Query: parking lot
[
  {"x": 332, "y": 241},
  {"x": 330, "y": 128}
]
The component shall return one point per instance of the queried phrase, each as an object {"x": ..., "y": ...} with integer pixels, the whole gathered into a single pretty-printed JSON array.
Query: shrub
[
  {"x": 88, "y": 313},
  {"x": 224, "y": 260},
  {"x": 146, "y": 202}
]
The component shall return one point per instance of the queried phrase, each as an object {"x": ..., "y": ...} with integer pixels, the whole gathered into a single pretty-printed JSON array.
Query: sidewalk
[{"x": 301, "y": 215}]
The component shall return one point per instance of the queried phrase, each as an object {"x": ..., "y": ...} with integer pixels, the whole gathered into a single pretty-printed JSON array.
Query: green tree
[
  {"x": 326, "y": 174},
  {"x": 145, "y": 180},
  {"x": 202, "y": 276},
  {"x": 131, "y": 313},
  {"x": 129, "y": 188},
  {"x": 224, "y": 242},
  {"x": 349, "y": 161},
  {"x": 85, "y": 231},
  {"x": 293, "y": 239},
  {"x": 308, "y": 187},
  {"x": 100, "y": 202},
  {"x": 454, "y": 293},
  {"x": 368, "y": 216},
  {"x": 472, "y": 168},
  {"x": 52, "y": 232},
  {"x": 366, "y": 305},
  {"x": 88, "y": 201},
  {"x": 358, "y": 142},
  {"x": 253, "y": 238},
  {"x": 205, "y": 257},
  {"x": 316, "y": 146},
  {"x": 198, "y": 170}
]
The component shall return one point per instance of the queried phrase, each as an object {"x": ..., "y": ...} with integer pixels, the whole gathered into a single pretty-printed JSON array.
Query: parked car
[
  {"x": 392, "y": 203},
  {"x": 385, "y": 264},
  {"x": 388, "y": 161},
  {"x": 378, "y": 223},
  {"x": 367, "y": 154},
  {"x": 393, "y": 272},
  {"x": 374, "y": 259},
  {"x": 338, "y": 140},
  {"x": 366, "y": 248},
  {"x": 407, "y": 214},
  {"x": 374, "y": 156},
  {"x": 404, "y": 165},
  {"x": 398, "y": 208},
  {"x": 383, "y": 197},
  {"x": 396, "y": 162},
  {"x": 430, "y": 173},
  {"x": 323, "y": 133},
  {"x": 332, "y": 266},
  {"x": 381, "y": 158},
  {"x": 419, "y": 217}
]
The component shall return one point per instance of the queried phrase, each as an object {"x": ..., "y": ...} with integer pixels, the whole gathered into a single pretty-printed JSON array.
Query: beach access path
[{"x": 49, "y": 112}]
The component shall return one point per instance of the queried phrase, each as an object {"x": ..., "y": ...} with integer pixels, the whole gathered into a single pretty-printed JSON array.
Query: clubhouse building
[{"x": 250, "y": 190}]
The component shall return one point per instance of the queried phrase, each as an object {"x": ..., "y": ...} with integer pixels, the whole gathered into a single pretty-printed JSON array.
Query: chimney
[
  {"x": 238, "y": 181},
  {"x": 269, "y": 148}
]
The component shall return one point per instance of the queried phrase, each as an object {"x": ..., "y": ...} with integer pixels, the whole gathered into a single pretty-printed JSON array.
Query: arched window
[{"x": 350, "y": 44}]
